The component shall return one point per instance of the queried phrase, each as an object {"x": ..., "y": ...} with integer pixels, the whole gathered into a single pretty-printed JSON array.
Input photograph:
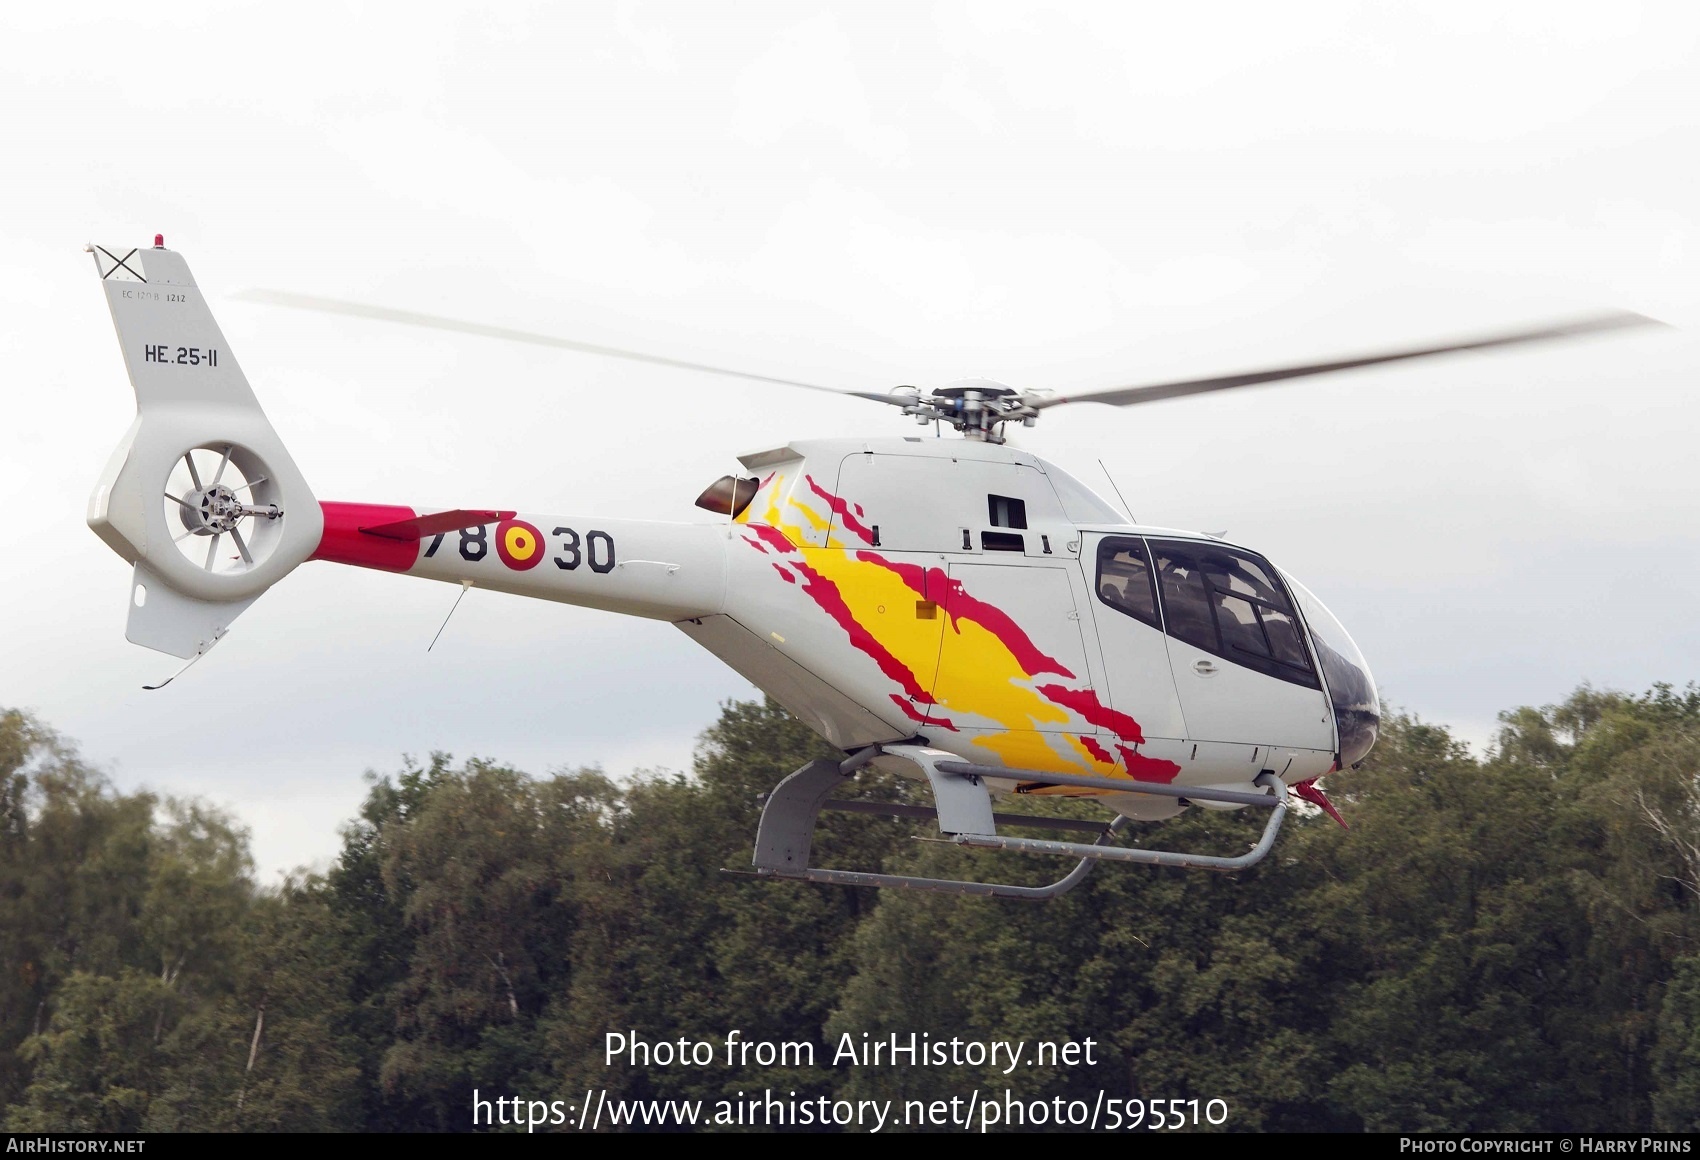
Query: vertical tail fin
[{"x": 200, "y": 494}]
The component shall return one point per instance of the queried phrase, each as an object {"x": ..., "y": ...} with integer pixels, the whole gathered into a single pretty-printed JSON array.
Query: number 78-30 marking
[{"x": 595, "y": 549}]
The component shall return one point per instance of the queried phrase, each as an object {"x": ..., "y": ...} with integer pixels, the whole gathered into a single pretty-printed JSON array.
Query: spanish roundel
[{"x": 519, "y": 544}]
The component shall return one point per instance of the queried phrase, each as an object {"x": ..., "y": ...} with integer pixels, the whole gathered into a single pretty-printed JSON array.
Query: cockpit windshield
[{"x": 1357, "y": 708}]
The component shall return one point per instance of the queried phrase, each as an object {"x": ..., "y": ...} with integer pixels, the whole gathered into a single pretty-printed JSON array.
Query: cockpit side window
[
  {"x": 1231, "y": 603},
  {"x": 1124, "y": 580}
]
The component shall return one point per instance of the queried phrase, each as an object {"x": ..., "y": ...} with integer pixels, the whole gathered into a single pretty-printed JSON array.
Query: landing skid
[{"x": 963, "y": 809}]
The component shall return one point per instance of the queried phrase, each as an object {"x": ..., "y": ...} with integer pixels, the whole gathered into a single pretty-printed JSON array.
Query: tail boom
[{"x": 653, "y": 569}]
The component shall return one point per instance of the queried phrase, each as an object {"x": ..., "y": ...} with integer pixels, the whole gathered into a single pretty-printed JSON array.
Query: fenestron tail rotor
[{"x": 212, "y": 501}]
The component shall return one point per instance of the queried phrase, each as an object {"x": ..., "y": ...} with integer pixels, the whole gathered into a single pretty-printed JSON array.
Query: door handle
[{"x": 1204, "y": 668}]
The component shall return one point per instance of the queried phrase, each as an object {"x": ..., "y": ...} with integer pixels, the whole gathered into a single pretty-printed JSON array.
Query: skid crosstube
[{"x": 963, "y": 808}]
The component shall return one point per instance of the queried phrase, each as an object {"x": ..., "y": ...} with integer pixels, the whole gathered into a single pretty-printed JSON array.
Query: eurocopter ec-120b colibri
[{"x": 956, "y": 609}]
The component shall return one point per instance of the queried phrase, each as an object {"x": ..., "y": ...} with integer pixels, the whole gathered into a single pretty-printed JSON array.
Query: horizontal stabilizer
[{"x": 437, "y": 523}]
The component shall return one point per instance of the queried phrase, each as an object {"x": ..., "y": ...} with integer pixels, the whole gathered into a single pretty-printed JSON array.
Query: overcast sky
[{"x": 864, "y": 195}]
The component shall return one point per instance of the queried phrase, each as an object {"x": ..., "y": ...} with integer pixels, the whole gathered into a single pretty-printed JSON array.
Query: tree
[
  {"x": 1676, "y": 1052},
  {"x": 476, "y": 872},
  {"x": 668, "y": 944},
  {"x": 73, "y": 857},
  {"x": 274, "y": 1053}
]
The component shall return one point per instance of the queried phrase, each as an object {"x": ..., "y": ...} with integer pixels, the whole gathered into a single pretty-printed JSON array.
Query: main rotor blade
[
  {"x": 437, "y": 322},
  {"x": 1153, "y": 392}
]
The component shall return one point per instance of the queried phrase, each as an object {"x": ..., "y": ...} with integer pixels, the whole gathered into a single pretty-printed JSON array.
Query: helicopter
[{"x": 955, "y": 610}]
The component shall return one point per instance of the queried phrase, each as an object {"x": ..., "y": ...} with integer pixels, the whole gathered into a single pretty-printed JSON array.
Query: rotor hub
[
  {"x": 222, "y": 501},
  {"x": 211, "y": 511},
  {"x": 978, "y": 408}
]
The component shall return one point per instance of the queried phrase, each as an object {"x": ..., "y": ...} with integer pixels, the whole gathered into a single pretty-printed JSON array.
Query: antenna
[
  {"x": 464, "y": 585},
  {"x": 1112, "y": 480}
]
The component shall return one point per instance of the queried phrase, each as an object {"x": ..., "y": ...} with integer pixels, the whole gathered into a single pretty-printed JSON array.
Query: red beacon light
[{"x": 159, "y": 241}]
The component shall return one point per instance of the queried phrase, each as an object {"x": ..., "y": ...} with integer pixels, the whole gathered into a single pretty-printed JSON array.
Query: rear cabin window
[
  {"x": 1230, "y": 603},
  {"x": 1124, "y": 580}
]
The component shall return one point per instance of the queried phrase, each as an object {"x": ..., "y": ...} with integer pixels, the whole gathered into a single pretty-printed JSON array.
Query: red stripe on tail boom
[{"x": 344, "y": 543}]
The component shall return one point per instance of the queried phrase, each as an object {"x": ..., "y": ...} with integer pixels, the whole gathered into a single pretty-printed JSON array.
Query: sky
[{"x": 863, "y": 195}]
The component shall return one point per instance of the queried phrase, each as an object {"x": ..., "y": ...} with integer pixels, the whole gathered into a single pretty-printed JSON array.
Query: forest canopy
[{"x": 1504, "y": 941}]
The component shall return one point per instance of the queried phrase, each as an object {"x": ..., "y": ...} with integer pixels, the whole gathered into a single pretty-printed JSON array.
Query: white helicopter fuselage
[{"x": 963, "y": 592}]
